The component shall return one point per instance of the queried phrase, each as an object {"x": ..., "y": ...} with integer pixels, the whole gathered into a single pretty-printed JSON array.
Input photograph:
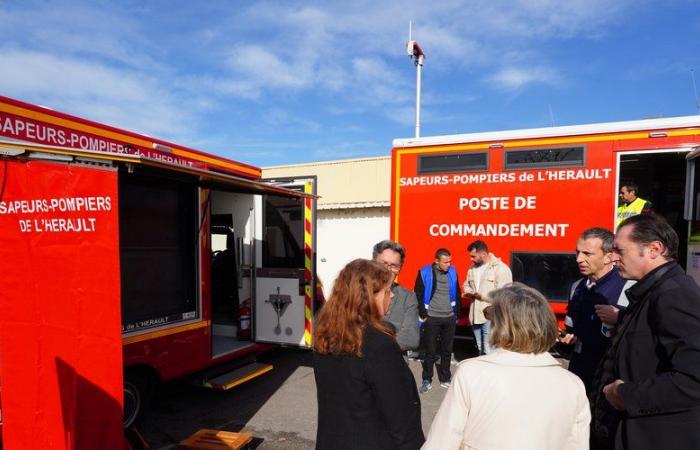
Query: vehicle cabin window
[
  {"x": 158, "y": 250},
  {"x": 550, "y": 273},
  {"x": 544, "y": 157},
  {"x": 453, "y": 162},
  {"x": 283, "y": 240}
]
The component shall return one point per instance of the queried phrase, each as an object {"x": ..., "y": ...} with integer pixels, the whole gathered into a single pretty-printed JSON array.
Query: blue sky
[{"x": 276, "y": 82}]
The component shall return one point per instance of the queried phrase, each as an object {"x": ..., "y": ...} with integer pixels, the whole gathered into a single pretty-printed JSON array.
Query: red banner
[{"x": 60, "y": 325}]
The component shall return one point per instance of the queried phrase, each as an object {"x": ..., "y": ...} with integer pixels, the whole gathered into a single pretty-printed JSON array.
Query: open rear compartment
[
  {"x": 232, "y": 247},
  {"x": 661, "y": 177}
]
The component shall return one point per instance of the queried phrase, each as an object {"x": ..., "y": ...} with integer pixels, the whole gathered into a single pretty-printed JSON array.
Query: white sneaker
[
  {"x": 445, "y": 384},
  {"x": 425, "y": 387}
]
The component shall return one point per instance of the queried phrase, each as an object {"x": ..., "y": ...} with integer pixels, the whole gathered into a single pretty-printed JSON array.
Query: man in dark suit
[{"x": 651, "y": 375}]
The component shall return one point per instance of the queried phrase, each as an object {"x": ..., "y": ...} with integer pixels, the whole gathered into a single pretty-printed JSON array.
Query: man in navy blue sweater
[{"x": 595, "y": 303}]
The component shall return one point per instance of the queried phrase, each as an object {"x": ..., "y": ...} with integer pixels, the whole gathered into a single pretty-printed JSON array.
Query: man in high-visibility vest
[{"x": 631, "y": 205}]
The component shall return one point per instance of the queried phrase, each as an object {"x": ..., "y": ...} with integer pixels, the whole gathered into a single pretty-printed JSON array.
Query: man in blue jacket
[{"x": 437, "y": 289}]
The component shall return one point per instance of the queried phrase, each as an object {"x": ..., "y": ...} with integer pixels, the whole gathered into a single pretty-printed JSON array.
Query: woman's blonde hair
[
  {"x": 339, "y": 326},
  {"x": 522, "y": 320}
]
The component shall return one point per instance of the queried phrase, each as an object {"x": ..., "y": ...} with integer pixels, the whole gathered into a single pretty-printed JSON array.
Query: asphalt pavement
[{"x": 278, "y": 408}]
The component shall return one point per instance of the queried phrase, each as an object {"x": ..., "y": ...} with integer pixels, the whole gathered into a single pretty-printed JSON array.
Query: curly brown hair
[{"x": 339, "y": 327}]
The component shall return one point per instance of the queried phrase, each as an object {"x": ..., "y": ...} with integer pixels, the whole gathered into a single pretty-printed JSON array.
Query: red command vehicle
[
  {"x": 529, "y": 193},
  {"x": 215, "y": 263}
]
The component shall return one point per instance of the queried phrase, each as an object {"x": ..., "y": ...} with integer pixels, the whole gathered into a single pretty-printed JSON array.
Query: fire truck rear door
[
  {"x": 285, "y": 265},
  {"x": 691, "y": 213}
]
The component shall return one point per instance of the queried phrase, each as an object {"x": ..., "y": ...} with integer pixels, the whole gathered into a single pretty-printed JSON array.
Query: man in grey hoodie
[{"x": 403, "y": 309}]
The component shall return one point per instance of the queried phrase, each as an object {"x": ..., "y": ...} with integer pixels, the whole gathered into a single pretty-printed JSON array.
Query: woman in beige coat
[{"x": 519, "y": 396}]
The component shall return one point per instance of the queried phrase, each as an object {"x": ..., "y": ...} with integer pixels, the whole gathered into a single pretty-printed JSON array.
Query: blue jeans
[{"x": 481, "y": 333}]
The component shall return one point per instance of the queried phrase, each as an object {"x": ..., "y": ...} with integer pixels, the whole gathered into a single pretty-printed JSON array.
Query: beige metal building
[{"x": 352, "y": 213}]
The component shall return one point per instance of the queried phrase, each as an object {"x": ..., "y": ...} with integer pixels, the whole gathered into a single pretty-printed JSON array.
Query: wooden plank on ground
[{"x": 205, "y": 439}]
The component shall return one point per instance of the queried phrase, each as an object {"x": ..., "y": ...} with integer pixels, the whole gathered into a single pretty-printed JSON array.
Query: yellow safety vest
[{"x": 630, "y": 210}]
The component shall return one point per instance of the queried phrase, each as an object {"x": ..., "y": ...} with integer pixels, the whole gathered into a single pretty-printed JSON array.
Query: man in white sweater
[{"x": 486, "y": 274}]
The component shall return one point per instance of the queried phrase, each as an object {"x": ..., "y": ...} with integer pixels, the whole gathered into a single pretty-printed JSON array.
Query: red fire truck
[
  {"x": 529, "y": 193},
  {"x": 213, "y": 266}
]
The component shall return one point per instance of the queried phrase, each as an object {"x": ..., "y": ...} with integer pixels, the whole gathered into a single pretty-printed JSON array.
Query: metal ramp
[{"x": 237, "y": 376}]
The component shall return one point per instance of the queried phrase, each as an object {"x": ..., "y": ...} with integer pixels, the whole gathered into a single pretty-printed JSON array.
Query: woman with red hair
[{"x": 367, "y": 397}]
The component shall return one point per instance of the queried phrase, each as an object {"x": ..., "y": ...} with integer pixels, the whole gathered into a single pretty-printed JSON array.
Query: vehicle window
[
  {"x": 453, "y": 162},
  {"x": 544, "y": 157},
  {"x": 283, "y": 240},
  {"x": 158, "y": 251},
  {"x": 550, "y": 273}
]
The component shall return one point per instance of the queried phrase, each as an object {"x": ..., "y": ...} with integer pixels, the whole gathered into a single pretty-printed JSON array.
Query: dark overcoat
[
  {"x": 367, "y": 402},
  {"x": 658, "y": 358}
]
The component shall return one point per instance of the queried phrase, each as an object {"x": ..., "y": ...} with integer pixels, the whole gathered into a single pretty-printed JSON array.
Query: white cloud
[
  {"x": 269, "y": 155},
  {"x": 91, "y": 29},
  {"x": 344, "y": 150},
  {"x": 515, "y": 78},
  {"x": 306, "y": 47},
  {"x": 371, "y": 69},
  {"x": 29, "y": 72},
  {"x": 552, "y": 19},
  {"x": 120, "y": 97},
  {"x": 280, "y": 118},
  {"x": 263, "y": 67},
  {"x": 405, "y": 116},
  {"x": 318, "y": 46},
  {"x": 159, "y": 67},
  {"x": 377, "y": 83}
]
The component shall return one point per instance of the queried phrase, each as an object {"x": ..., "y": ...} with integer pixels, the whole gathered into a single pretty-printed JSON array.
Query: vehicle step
[
  {"x": 205, "y": 439},
  {"x": 238, "y": 376}
]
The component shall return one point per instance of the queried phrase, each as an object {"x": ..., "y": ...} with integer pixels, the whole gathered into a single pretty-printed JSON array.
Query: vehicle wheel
[{"x": 138, "y": 390}]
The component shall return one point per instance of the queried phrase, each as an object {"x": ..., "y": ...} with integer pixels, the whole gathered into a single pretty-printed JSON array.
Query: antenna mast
[
  {"x": 695, "y": 89},
  {"x": 551, "y": 114},
  {"x": 414, "y": 52}
]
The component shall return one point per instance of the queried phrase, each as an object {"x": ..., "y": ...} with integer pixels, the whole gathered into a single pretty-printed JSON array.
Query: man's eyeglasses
[{"x": 390, "y": 266}]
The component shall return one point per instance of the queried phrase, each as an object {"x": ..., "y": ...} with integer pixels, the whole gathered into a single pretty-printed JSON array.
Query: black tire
[
  {"x": 138, "y": 391},
  {"x": 134, "y": 440}
]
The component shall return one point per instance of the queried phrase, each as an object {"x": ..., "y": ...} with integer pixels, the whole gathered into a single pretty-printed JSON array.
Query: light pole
[{"x": 416, "y": 54}]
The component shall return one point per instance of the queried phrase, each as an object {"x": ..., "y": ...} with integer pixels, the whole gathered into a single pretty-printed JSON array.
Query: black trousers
[
  {"x": 439, "y": 334},
  {"x": 585, "y": 365}
]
